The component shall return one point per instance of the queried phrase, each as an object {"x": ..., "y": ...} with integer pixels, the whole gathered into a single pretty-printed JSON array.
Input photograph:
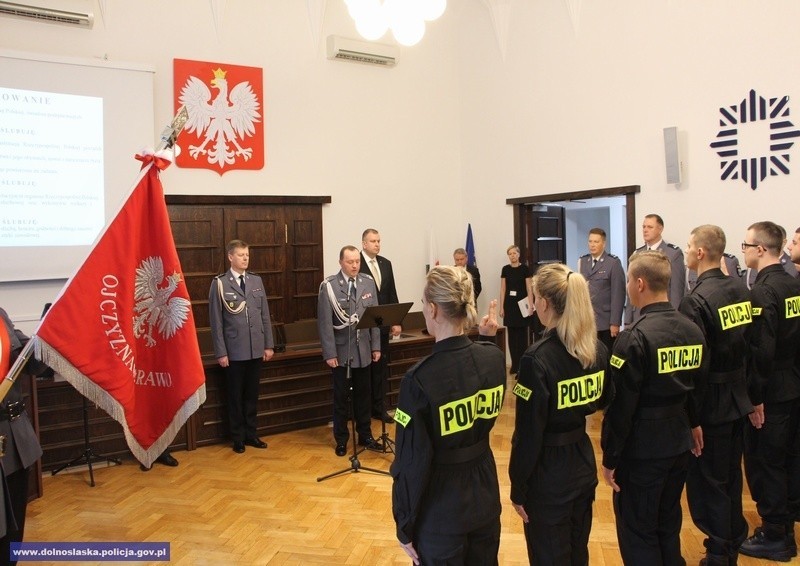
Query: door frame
[{"x": 519, "y": 204}]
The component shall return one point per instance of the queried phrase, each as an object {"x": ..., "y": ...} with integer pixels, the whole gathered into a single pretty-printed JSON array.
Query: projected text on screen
[{"x": 51, "y": 168}]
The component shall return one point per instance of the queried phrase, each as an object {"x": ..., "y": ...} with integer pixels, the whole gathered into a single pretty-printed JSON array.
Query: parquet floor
[{"x": 266, "y": 506}]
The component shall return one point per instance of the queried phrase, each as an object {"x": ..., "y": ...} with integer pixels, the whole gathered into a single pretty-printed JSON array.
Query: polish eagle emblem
[
  {"x": 224, "y": 123},
  {"x": 155, "y": 306}
]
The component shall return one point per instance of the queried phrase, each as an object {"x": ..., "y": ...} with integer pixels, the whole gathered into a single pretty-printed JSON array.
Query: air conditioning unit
[
  {"x": 79, "y": 17},
  {"x": 362, "y": 51}
]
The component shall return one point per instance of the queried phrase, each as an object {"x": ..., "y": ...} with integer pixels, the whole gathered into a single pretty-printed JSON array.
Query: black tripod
[
  {"x": 88, "y": 455},
  {"x": 384, "y": 316},
  {"x": 355, "y": 463}
]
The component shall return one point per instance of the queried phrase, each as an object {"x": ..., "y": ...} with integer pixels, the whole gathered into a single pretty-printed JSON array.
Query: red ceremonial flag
[{"x": 122, "y": 331}]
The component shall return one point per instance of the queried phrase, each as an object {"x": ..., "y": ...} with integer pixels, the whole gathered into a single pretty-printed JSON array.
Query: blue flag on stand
[{"x": 470, "y": 247}]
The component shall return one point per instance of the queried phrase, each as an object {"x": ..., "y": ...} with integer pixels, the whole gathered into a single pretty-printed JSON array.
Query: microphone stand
[{"x": 355, "y": 463}]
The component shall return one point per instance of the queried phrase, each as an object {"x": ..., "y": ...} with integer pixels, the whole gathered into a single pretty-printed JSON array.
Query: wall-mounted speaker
[{"x": 672, "y": 155}]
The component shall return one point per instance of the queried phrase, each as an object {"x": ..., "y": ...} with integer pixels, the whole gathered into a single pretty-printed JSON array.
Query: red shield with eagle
[{"x": 225, "y": 130}]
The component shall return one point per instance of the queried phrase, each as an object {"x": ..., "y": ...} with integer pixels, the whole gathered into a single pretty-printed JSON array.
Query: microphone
[{"x": 350, "y": 286}]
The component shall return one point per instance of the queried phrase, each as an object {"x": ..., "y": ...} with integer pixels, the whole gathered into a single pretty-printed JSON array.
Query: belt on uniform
[
  {"x": 718, "y": 377},
  {"x": 563, "y": 438},
  {"x": 655, "y": 413},
  {"x": 462, "y": 455},
  {"x": 12, "y": 411}
]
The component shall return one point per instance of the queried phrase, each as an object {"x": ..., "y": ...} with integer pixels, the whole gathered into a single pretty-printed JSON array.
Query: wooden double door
[{"x": 285, "y": 238}]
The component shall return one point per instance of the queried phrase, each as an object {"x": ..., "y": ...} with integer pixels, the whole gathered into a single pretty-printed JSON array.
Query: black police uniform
[
  {"x": 659, "y": 368},
  {"x": 445, "y": 496},
  {"x": 720, "y": 306},
  {"x": 552, "y": 468},
  {"x": 774, "y": 375}
]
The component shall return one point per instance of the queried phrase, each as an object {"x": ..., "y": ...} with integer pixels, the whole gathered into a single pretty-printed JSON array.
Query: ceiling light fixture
[{"x": 406, "y": 18}]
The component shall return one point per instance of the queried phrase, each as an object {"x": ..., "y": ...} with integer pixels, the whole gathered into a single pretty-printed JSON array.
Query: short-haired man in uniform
[
  {"x": 241, "y": 332},
  {"x": 658, "y": 365},
  {"x": 606, "y": 278},
  {"x": 382, "y": 274},
  {"x": 720, "y": 306},
  {"x": 652, "y": 229},
  {"x": 794, "y": 250},
  {"x": 460, "y": 260},
  {"x": 774, "y": 338},
  {"x": 343, "y": 298}
]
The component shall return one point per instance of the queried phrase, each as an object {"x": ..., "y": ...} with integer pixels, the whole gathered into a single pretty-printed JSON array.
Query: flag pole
[{"x": 167, "y": 141}]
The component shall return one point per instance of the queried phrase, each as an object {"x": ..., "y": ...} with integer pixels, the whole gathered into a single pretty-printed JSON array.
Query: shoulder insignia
[
  {"x": 612, "y": 256},
  {"x": 616, "y": 362},
  {"x": 522, "y": 392},
  {"x": 756, "y": 311},
  {"x": 401, "y": 418},
  {"x": 585, "y": 255},
  {"x": 367, "y": 275},
  {"x": 673, "y": 246}
]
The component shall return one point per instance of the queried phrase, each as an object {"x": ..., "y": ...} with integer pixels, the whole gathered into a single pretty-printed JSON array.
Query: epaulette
[
  {"x": 673, "y": 246},
  {"x": 367, "y": 275},
  {"x": 726, "y": 254},
  {"x": 585, "y": 255},
  {"x": 612, "y": 255}
]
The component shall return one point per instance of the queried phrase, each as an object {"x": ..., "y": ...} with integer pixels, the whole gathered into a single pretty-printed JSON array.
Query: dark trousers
[
  {"x": 767, "y": 461},
  {"x": 17, "y": 500},
  {"x": 476, "y": 548},
  {"x": 648, "y": 509},
  {"x": 359, "y": 380},
  {"x": 517, "y": 344},
  {"x": 378, "y": 377},
  {"x": 242, "y": 388},
  {"x": 559, "y": 534},
  {"x": 714, "y": 488},
  {"x": 605, "y": 337}
]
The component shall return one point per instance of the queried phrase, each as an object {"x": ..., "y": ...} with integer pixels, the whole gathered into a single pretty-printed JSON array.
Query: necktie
[
  {"x": 241, "y": 282},
  {"x": 594, "y": 263},
  {"x": 376, "y": 273}
]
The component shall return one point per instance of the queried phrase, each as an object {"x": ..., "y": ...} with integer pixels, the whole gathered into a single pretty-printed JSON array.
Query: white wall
[
  {"x": 454, "y": 130},
  {"x": 384, "y": 143},
  {"x": 572, "y": 111}
]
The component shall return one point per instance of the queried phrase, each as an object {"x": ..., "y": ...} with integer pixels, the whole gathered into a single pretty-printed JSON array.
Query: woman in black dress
[{"x": 515, "y": 285}]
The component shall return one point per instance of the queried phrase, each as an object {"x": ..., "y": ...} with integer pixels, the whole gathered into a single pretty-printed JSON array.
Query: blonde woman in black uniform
[
  {"x": 561, "y": 380},
  {"x": 446, "y": 497}
]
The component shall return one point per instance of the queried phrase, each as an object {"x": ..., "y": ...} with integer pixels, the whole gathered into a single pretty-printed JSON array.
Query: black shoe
[
  {"x": 371, "y": 444},
  {"x": 385, "y": 417},
  {"x": 167, "y": 459},
  {"x": 238, "y": 447},
  {"x": 255, "y": 442},
  {"x": 341, "y": 450},
  {"x": 759, "y": 546}
]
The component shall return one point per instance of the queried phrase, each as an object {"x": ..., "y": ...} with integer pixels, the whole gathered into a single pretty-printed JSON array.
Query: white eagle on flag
[
  {"x": 155, "y": 307},
  {"x": 228, "y": 119}
]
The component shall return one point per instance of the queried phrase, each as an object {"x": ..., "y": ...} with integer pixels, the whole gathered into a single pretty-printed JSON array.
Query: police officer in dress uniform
[
  {"x": 652, "y": 228},
  {"x": 773, "y": 370},
  {"x": 445, "y": 495},
  {"x": 342, "y": 300},
  {"x": 19, "y": 447},
  {"x": 241, "y": 332},
  {"x": 552, "y": 468},
  {"x": 659, "y": 366},
  {"x": 606, "y": 278},
  {"x": 720, "y": 306}
]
